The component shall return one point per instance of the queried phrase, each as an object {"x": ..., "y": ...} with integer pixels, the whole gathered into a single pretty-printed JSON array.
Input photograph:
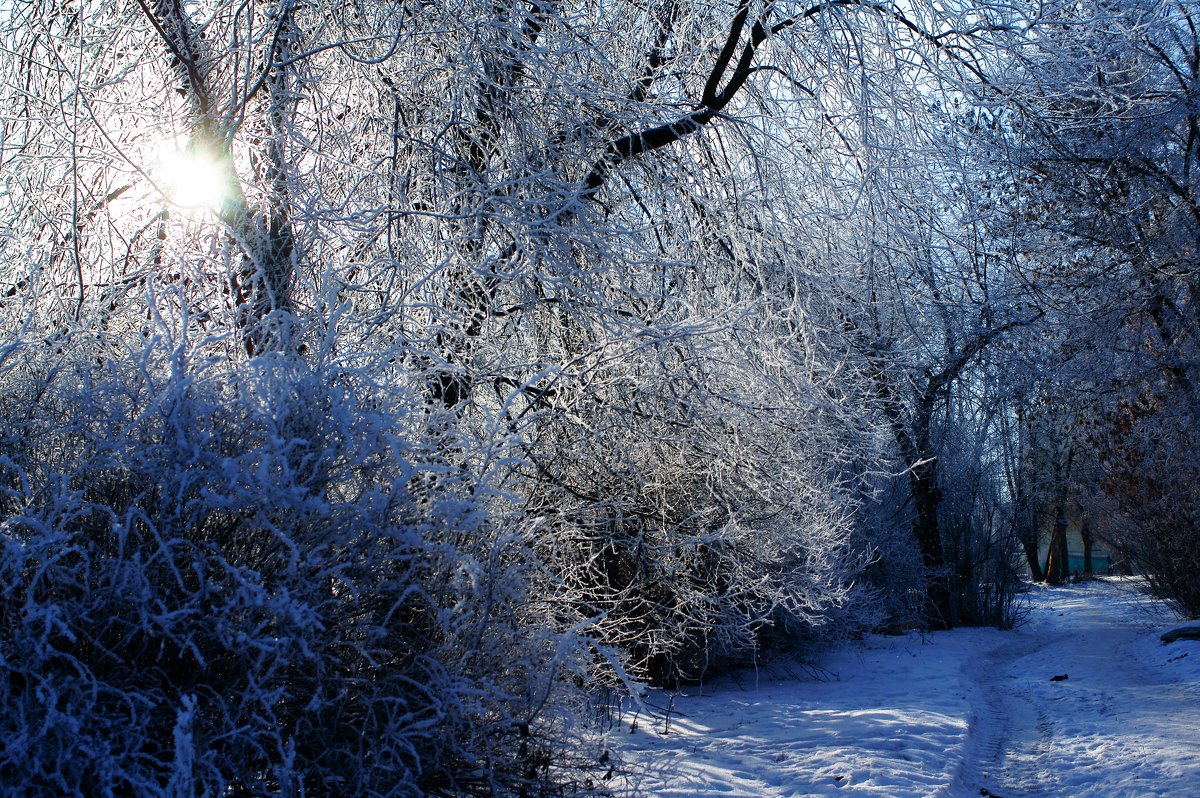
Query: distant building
[{"x": 1104, "y": 560}]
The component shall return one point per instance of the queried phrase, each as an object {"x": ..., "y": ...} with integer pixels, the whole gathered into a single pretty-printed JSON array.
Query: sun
[{"x": 192, "y": 178}]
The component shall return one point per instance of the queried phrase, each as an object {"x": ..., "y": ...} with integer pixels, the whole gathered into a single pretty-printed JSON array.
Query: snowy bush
[
  {"x": 1151, "y": 456},
  {"x": 892, "y": 586},
  {"x": 251, "y": 581},
  {"x": 695, "y": 512}
]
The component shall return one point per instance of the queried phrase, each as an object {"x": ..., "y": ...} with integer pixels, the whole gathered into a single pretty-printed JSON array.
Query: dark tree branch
[
  {"x": 938, "y": 382},
  {"x": 178, "y": 33},
  {"x": 727, "y": 78}
]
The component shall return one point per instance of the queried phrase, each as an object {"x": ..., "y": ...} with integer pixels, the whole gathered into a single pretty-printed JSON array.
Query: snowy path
[
  {"x": 1124, "y": 722},
  {"x": 966, "y": 713}
]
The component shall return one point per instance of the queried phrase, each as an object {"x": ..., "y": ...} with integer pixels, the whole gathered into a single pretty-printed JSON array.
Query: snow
[{"x": 963, "y": 713}]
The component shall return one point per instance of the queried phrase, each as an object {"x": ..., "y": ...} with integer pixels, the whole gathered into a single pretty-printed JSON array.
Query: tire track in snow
[
  {"x": 1117, "y": 726},
  {"x": 1009, "y": 744}
]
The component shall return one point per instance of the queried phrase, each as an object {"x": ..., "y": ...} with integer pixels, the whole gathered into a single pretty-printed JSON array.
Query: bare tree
[{"x": 1108, "y": 141}]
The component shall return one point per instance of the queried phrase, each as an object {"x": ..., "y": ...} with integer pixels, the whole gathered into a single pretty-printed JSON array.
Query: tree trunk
[
  {"x": 1089, "y": 540},
  {"x": 915, "y": 447},
  {"x": 941, "y": 612},
  {"x": 261, "y": 280},
  {"x": 1029, "y": 546},
  {"x": 1025, "y": 518},
  {"x": 1057, "y": 557},
  {"x": 1027, "y": 532},
  {"x": 927, "y": 496}
]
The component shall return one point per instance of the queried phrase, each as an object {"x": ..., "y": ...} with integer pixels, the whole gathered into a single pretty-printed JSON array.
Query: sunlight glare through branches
[{"x": 190, "y": 177}]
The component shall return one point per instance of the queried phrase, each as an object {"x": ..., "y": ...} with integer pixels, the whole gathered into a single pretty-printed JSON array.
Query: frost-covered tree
[
  {"x": 1109, "y": 223},
  {"x": 932, "y": 310},
  {"x": 407, "y": 328}
]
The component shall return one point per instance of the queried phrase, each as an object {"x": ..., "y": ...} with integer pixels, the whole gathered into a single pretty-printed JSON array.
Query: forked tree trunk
[{"x": 1057, "y": 557}]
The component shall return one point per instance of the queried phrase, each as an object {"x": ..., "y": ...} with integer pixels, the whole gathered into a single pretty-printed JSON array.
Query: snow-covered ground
[{"x": 964, "y": 713}]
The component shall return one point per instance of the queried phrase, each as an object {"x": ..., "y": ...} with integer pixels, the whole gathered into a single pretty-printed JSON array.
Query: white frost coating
[{"x": 182, "y": 785}]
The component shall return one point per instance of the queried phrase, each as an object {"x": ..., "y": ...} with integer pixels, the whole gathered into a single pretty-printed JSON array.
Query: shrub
[
  {"x": 696, "y": 515},
  {"x": 251, "y": 581},
  {"x": 1152, "y": 479}
]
